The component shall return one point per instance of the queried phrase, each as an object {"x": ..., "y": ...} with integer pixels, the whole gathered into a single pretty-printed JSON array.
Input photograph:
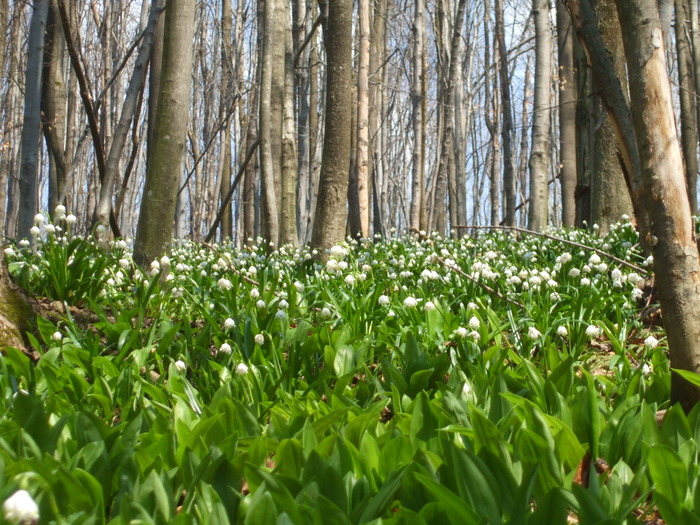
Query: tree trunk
[
  {"x": 290, "y": 162},
  {"x": 418, "y": 173},
  {"x": 567, "y": 115},
  {"x": 225, "y": 100},
  {"x": 53, "y": 105},
  {"x": 655, "y": 175},
  {"x": 362, "y": 155},
  {"x": 155, "y": 227},
  {"x": 539, "y": 155},
  {"x": 686, "y": 93},
  {"x": 507, "y": 127},
  {"x": 329, "y": 221},
  {"x": 15, "y": 313},
  {"x": 121, "y": 132},
  {"x": 270, "y": 217},
  {"x": 29, "y": 168},
  {"x": 609, "y": 194}
]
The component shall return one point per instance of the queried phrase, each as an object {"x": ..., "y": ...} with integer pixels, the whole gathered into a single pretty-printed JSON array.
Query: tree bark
[
  {"x": 29, "y": 168},
  {"x": 15, "y": 313},
  {"x": 329, "y": 221},
  {"x": 507, "y": 127},
  {"x": 686, "y": 93},
  {"x": 362, "y": 155},
  {"x": 418, "y": 169},
  {"x": 155, "y": 226},
  {"x": 539, "y": 155},
  {"x": 567, "y": 115}
]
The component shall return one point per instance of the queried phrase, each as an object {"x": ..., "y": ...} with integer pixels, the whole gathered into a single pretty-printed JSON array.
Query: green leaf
[{"x": 669, "y": 474}]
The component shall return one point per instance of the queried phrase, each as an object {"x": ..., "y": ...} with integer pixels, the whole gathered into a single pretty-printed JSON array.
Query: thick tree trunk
[
  {"x": 329, "y": 221},
  {"x": 290, "y": 174},
  {"x": 671, "y": 233},
  {"x": 567, "y": 115},
  {"x": 29, "y": 168},
  {"x": 155, "y": 227},
  {"x": 539, "y": 155}
]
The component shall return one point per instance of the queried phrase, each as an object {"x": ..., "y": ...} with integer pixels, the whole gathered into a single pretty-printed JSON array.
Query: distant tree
[
  {"x": 330, "y": 216},
  {"x": 155, "y": 225}
]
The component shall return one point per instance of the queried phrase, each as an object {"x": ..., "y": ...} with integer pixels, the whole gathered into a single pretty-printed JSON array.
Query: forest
[{"x": 350, "y": 261}]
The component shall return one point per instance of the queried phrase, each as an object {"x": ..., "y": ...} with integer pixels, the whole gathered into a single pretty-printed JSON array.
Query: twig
[{"x": 563, "y": 241}]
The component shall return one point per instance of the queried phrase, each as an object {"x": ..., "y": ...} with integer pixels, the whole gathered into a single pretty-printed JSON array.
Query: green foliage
[{"x": 386, "y": 386}]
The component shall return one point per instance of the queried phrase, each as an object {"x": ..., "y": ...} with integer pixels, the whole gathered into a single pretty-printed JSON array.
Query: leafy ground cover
[{"x": 502, "y": 378}]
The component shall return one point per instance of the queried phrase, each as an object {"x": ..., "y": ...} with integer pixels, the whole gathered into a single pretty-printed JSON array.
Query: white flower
[
  {"x": 647, "y": 369},
  {"x": 71, "y": 219},
  {"x": 593, "y": 331},
  {"x": 180, "y": 365},
  {"x": 124, "y": 263},
  {"x": 637, "y": 293},
  {"x": 280, "y": 314},
  {"x": 241, "y": 369},
  {"x": 254, "y": 293},
  {"x": 471, "y": 306},
  {"x": 466, "y": 388},
  {"x": 39, "y": 219},
  {"x": 474, "y": 323},
  {"x": 331, "y": 265},
  {"x": 9, "y": 252},
  {"x": 224, "y": 284},
  {"x": 34, "y": 231},
  {"x": 429, "y": 306},
  {"x": 259, "y": 339},
  {"x": 252, "y": 270},
  {"x": 651, "y": 342},
  {"x": 50, "y": 228},
  {"x": 562, "y": 331},
  {"x": 462, "y": 332},
  {"x": 585, "y": 281},
  {"x": 229, "y": 324},
  {"x": 384, "y": 300},
  {"x": 410, "y": 302},
  {"x": 349, "y": 280},
  {"x": 283, "y": 304},
  {"x": 57, "y": 336},
  {"x": 338, "y": 252},
  {"x": 474, "y": 335},
  {"x": 326, "y": 312},
  {"x": 20, "y": 508},
  {"x": 533, "y": 333},
  {"x": 225, "y": 348},
  {"x": 594, "y": 259},
  {"x": 574, "y": 272},
  {"x": 260, "y": 304}
]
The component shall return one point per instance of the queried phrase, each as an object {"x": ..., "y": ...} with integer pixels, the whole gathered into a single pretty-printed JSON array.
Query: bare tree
[
  {"x": 418, "y": 173},
  {"x": 29, "y": 169},
  {"x": 539, "y": 155},
  {"x": 329, "y": 223},
  {"x": 155, "y": 226}
]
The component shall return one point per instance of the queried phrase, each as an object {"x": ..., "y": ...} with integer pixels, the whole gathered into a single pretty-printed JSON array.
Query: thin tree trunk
[
  {"x": 224, "y": 103},
  {"x": 687, "y": 95},
  {"x": 267, "y": 164},
  {"x": 362, "y": 156},
  {"x": 507, "y": 127},
  {"x": 567, "y": 115},
  {"x": 418, "y": 174},
  {"x": 121, "y": 132},
  {"x": 539, "y": 155}
]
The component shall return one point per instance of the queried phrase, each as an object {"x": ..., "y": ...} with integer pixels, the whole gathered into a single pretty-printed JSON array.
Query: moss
[{"x": 16, "y": 316}]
